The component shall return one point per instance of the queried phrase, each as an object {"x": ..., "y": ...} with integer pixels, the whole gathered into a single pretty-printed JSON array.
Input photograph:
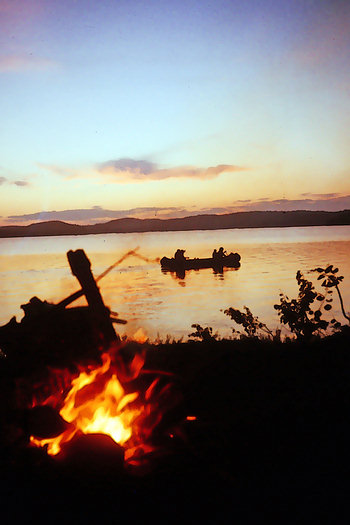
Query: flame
[
  {"x": 140, "y": 336},
  {"x": 96, "y": 403}
]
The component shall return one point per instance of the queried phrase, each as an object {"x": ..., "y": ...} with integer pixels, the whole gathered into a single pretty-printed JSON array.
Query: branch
[{"x": 342, "y": 304}]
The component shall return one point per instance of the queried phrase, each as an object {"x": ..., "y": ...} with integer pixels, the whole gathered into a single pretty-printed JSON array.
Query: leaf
[
  {"x": 328, "y": 307},
  {"x": 322, "y": 276},
  {"x": 320, "y": 297},
  {"x": 323, "y": 324},
  {"x": 329, "y": 268}
]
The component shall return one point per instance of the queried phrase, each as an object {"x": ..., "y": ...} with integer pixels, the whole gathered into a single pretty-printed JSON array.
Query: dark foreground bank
[{"x": 270, "y": 443}]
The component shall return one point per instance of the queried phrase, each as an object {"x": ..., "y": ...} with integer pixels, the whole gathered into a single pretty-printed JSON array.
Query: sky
[{"x": 165, "y": 109}]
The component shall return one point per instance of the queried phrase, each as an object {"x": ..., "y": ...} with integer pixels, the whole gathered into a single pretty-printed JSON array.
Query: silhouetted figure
[
  {"x": 179, "y": 255},
  {"x": 215, "y": 255},
  {"x": 221, "y": 253}
]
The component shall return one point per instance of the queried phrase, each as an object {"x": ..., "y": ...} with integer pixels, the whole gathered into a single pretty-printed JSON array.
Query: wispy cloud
[
  {"x": 96, "y": 213},
  {"x": 5, "y": 180},
  {"x": 124, "y": 169},
  {"x": 21, "y": 183},
  {"x": 23, "y": 63},
  {"x": 325, "y": 202},
  {"x": 320, "y": 195},
  {"x": 99, "y": 214},
  {"x": 137, "y": 167},
  {"x": 62, "y": 171},
  {"x": 22, "y": 9}
]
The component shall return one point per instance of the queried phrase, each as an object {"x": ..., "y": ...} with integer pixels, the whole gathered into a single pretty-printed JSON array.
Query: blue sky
[{"x": 172, "y": 108}]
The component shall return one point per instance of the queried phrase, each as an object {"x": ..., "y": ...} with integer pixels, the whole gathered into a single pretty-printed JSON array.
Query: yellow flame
[
  {"x": 140, "y": 336},
  {"x": 96, "y": 403}
]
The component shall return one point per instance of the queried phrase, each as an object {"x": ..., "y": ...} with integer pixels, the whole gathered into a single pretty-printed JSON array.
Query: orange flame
[
  {"x": 140, "y": 336},
  {"x": 96, "y": 403}
]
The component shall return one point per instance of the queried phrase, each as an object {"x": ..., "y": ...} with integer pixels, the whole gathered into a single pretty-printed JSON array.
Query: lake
[{"x": 160, "y": 303}]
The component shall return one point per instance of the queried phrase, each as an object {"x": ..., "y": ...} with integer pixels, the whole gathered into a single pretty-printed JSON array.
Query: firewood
[{"x": 81, "y": 268}]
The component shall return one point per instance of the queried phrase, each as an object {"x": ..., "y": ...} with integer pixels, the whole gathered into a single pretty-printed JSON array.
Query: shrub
[
  {"x": 252, "y": 326},
  {"x": 331, "y": 280},
  {"x": 204, "y": 334},
  {"x": 298, "y": 314}
]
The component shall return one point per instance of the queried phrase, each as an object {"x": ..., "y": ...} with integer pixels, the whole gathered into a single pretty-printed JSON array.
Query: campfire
[
  {"x": 106, "y": 392},
  {"x": 97, "y": 403}
]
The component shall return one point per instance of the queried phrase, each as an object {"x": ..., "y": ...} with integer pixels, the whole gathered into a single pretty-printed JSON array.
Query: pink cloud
[
  {"x": 140, "y": 170},
  {"x": 22, "y": 63},
  {"x": 127, "y": 170}
]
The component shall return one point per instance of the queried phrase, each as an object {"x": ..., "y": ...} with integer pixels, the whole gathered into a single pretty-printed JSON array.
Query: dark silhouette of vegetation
[
  {"x": 331, "y": 280},
  {"x": 252, "y": 326},
  {"x": 204, "y": 334},
  {"x": 300, "y": 315}
]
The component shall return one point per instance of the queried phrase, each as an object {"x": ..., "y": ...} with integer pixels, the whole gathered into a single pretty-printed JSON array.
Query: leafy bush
[
  {"x": 252, "y": 326},
  {"x": 204, "y": 334},
  {"x": 300, "y": 315},
  {"x": 331, "y": 280}
]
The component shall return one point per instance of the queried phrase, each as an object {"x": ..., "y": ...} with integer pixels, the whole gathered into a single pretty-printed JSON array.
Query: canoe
[{"x": 228, "y": 261}]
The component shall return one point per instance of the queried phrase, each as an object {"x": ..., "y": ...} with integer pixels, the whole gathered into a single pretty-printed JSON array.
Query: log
[{"x": 81, "y": 268}]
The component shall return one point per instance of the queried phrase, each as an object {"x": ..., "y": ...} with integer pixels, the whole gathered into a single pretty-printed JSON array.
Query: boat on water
[{"x": 232, "y": 260}]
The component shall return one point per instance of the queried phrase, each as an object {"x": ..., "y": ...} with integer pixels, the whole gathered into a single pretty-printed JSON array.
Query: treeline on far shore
[{"x": 250, "y": 219}]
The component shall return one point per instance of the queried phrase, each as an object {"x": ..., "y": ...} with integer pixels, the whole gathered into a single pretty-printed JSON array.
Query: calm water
[{"x": 160, "y": 303}]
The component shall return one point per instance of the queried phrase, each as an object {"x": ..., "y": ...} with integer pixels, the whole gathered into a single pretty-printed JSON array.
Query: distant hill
[{"x": 250, "y": 219}]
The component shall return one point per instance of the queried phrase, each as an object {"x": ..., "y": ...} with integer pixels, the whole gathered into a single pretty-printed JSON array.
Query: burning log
[{"x": 93, "y": 454}]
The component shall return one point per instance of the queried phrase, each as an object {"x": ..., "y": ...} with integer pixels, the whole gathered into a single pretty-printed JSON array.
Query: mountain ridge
[{"x": 248, "y": 219}]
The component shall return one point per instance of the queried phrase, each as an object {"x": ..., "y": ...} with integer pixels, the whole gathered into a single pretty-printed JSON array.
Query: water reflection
[
  {"x": 168, "y": 304},
  {"x": 180, "y": 274}
]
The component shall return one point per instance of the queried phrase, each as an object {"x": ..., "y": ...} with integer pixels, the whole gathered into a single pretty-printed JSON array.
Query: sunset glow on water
[{"x": 160, "y": 303}]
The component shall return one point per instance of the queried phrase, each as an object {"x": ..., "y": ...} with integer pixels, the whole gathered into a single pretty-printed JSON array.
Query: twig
[
  {"x": 342, "y": 304},
  {"x": 74, "y": 296}
]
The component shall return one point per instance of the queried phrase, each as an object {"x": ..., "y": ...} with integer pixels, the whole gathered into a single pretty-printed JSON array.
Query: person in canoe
[
  {"x": 179, "y": 255},
  {"x": 219, "y": 255}
]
